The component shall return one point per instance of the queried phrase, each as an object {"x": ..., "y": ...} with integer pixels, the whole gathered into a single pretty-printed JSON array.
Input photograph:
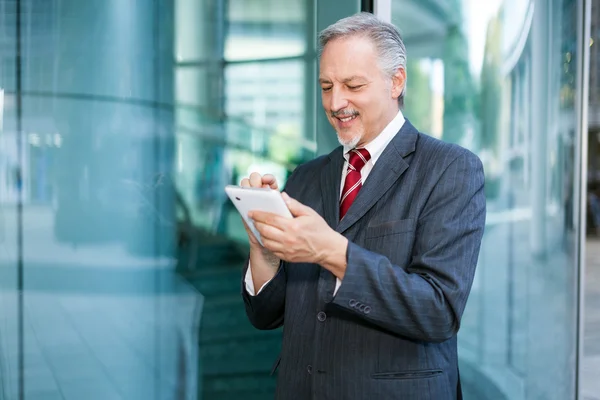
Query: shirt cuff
[
  {"x": 250, "y": 283},
  {"x": 338, "y": 283}
]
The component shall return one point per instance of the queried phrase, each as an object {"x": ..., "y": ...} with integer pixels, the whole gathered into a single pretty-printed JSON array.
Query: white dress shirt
[{"x": 375, "y": 148}]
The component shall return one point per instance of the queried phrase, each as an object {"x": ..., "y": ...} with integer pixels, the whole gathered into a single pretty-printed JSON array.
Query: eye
[
  {"x": 326, "y": 89},
  {"x": 355, "y": 87}
]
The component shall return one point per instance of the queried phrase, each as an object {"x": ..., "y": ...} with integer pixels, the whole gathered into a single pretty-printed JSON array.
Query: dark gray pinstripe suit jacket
[{"x": 414, "y": 235}]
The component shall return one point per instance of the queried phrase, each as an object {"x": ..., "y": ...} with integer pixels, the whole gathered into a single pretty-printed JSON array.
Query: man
[{"x": 371, "y": 276}]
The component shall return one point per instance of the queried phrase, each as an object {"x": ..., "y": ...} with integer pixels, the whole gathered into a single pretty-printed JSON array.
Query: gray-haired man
[{"x": 371, "y": 277}]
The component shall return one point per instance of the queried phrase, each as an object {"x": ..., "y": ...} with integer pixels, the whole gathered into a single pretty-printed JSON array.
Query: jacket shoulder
[{"x": 442, "y": 153}]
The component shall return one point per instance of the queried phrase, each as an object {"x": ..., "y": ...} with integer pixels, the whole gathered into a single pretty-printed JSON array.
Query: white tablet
[{"x": 248, "y": 199}]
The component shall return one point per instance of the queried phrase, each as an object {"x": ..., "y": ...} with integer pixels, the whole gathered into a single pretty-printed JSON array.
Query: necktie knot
[{"x": 358, "y": 159}]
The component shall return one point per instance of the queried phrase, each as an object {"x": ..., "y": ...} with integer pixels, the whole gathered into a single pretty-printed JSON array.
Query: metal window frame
[
  {"x": 581, "y": 156},
  {"x": 382, "y": 9}
]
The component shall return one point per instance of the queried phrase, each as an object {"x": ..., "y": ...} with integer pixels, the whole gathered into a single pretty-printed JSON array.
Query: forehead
[{"x": 346, "y": 57}]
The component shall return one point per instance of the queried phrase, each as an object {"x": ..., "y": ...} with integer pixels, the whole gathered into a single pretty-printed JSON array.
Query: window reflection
[
  {"x": 268, "y": 29},
  {"x": 131, "y": 251},
  {"x": 498, "y": 78},
  {"x": 244, "y": 110}
]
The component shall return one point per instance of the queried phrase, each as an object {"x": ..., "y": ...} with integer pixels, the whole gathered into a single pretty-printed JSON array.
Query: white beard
[{"x": 351, "y": 143}]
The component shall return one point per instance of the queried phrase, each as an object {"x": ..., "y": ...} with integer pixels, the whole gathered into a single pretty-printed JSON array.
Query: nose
[{"x": 337, "y": 100}]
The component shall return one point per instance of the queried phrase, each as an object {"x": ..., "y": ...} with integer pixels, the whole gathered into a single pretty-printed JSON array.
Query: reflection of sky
[
  {"x": 252, "y": 48},
  {"x": 477, "y": 14},
  {"x": 434, "y": 68}
]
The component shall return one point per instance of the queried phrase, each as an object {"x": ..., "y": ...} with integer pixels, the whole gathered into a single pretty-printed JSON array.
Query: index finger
[{"x": 270, "y": 180}]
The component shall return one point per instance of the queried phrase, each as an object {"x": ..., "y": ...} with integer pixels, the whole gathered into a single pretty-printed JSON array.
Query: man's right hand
[
  {"x": 256, "y": 180},
  {"x": 263, "y": 263}
]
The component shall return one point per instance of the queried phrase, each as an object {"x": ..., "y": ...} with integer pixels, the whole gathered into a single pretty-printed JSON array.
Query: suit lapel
[
  {"x": 389, "y": 167},
  {"x": 331, "y": 177}
]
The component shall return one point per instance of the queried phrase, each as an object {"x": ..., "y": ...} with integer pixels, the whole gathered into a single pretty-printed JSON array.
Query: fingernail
[
  {"x": 285, "y": 196},
  {"x": 250, "y": 214}
]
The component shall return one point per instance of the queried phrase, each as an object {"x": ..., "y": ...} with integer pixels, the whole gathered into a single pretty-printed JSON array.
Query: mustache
[{"x": 344, "y": 113}]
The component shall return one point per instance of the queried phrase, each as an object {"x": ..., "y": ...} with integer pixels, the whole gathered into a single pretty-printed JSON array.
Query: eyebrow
[{"x": 352, "y": 78}]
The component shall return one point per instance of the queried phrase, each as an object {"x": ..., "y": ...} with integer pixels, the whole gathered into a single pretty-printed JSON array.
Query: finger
[
  {"x": 245, "y": 182},
  {"x": 268, "y": 232},
  {"x": 270, "y": 181},
  {"x": 255, "y": 180},
  {"x": 268, "y": 218},
  {"x": 296, "y": 208}
]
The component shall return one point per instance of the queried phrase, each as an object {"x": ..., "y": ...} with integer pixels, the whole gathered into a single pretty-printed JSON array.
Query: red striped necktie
[{"x": 353, "y": 183}]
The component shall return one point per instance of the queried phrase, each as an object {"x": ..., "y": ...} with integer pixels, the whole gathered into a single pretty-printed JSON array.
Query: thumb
[{"x": 296, "y": 208}]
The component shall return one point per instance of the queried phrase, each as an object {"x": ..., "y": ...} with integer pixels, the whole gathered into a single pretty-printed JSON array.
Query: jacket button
[
  {"x": 352, "y": 303},
  {"x": 367, "y": 310},
  {"x": 321, "y": 316},
  {"x": 309, "y": 369}
]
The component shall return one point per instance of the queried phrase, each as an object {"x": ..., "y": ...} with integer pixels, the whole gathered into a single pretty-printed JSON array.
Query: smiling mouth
[{"x": 347, "y": 119}]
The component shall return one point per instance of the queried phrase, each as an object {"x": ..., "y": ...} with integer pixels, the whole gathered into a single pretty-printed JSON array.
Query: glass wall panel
[
  {"x": 9, "y": 251},
  {"x": 590, "y": 369},
  {"x": 500, "y": 79},
  {"x": 10, "y": 184},
  {"x": 249, "y": 107},
  {"x": 133, "y": 117},
  {"x": 105, "y": 314}
]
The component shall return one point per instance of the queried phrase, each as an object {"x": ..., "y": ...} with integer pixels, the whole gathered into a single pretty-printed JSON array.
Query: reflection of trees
[
  {"x": 420, "y": 102},
  {"x": 489, "y": 114},
  {"x": 490, "y": 102},
  {"x": 460, "y": 97},
  {"x": 459, "y": 89},
  {"x": 568, "y": 46}
]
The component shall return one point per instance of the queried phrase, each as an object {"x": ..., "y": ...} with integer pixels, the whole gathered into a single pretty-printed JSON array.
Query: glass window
[
  {"x": 499, "y": 78},
  {"x": 134, "y": 117},
  {"x": 9, "y": 248},
  {"x": 266, "y": 29}
]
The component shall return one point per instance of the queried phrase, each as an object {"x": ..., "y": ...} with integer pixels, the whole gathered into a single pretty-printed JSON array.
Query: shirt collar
[{"x": 376, "y": 146}]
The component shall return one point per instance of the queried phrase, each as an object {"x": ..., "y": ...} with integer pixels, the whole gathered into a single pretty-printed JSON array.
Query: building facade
[{"x": 122, "y": 121}]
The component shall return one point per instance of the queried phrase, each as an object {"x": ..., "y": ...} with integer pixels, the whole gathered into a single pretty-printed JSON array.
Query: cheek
[
  {"x": 368, "y": 107},
  {"x": 324, "y": 101}
]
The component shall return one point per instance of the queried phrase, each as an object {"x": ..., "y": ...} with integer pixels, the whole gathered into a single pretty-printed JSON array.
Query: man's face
[{"x": 358, "y": 98}]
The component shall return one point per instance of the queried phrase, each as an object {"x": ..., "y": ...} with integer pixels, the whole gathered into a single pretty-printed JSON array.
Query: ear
[{"x": 398, "y": 82}]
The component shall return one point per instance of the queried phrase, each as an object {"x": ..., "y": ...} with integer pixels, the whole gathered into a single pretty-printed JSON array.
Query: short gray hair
[{"x": 385, "y": 36}]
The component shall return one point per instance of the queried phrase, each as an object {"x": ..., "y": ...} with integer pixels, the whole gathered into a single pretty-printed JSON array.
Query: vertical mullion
[{"x": 19, "y": 178}]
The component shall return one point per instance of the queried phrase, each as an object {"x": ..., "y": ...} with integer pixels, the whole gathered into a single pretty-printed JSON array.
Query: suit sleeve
[
  {"x": 425, "y": 299},
  {"x": 265, "y": 309}
]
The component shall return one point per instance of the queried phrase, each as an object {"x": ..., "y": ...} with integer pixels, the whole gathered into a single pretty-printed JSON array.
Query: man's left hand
[{"x": 305, "y": 238}]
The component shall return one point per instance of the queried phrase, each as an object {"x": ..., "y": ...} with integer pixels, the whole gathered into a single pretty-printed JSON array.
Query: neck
[{"x": 389, "y": 116}]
